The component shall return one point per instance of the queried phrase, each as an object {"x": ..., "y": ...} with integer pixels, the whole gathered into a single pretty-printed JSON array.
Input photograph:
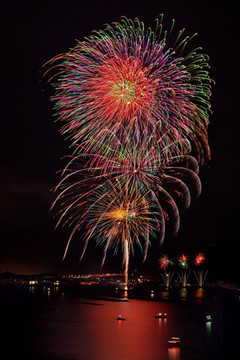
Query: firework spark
[
  {"x": 201, "y": 274},
  {"x": 165, "y": 262},
  {"x": 199, "y": 259},
  {"x": 184, "y": 274},
  {"x": 183, "y": 261}
]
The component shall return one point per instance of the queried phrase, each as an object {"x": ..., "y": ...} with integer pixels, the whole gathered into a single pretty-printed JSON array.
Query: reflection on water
[
  {"x": 32, "y": 289},
  {"x": 183, "y": 294},
  {"x": 208, "y": 331},
  {"x": 72, "y": 328},
  {"x": 162, "y": 323},
  {"x": 48, "y": 292},
  {"x": 80, "y": 331},
  {"x": 199, "y": 294},
  {"x": 164, "y": 294},
  {"x": 174, "y": 353},
  {"x": 123, "y": 295}
]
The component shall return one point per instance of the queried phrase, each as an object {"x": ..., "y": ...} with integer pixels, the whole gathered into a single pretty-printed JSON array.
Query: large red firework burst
[
  {"x": 126, "y": 78},
  {"x": 124, "y": 90}
]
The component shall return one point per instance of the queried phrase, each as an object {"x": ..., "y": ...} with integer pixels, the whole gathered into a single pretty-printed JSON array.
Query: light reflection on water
[
  {"x": 174, "y": 353},
  {"x": 74, "y": 328},
  {"x": 164, "y": 294},
  {"x": 199, "y": 295},
  {"x": 208, "y": 331},
  {"x": 88, "y": 331},
  {"x": 82, "y": 329},
  {"x": 183, "y": 294}
]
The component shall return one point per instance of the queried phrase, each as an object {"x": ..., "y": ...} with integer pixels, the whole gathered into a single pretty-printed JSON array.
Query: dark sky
[{"x": 31, "y": 146}]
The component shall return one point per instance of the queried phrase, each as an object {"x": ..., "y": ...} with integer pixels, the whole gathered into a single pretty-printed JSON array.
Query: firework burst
[
  {"x": 183, "y": 261},
  {"x": 138, "y": 171},
  {"x": 111, "y": 216},
  {"x": 200, "y": 274},
  {"x": 127, "y": 77},
  {"x": 184, "y": 274},
  {"x": 165, "y": 262},
  {"x": 134, "y": 105},
  {"x": 199, "y": 259}
]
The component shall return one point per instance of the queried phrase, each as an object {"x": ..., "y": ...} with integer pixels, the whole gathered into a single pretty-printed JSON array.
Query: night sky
[{"x": 32, "y": 148}]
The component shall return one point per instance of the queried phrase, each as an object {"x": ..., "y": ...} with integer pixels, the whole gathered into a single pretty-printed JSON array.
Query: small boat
[
  {"x": 161, "y": 316},
  {"x": 208, "y": 318},
  {"x": 174, "y": 342},
  {"x": 120, "y": 318}
]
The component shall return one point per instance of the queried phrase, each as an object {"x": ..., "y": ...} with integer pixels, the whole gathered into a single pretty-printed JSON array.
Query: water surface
[{"x": 69, "y": 327}]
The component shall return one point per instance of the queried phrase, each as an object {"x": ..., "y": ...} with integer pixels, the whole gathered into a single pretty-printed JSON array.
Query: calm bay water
[{"x": 66, "y": 327}]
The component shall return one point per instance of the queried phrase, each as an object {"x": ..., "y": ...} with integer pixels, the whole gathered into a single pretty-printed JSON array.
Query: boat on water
[
  {"x": 120, "y": 318},
  {"x": 208, "y": 318},
  {"x": 161, "y": 316},
  {"x": 174, "y": 342}
]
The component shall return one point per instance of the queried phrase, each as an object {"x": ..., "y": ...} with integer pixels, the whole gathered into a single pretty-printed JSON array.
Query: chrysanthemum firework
[
  {"x": 128, "y": 78},
  {"x": 137, "y": 171},
  {"x": 111, "y": 216},
  {"x": 109, "y": 205}
]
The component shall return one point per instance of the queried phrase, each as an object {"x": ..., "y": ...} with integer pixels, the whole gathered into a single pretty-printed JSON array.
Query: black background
[{"x": 31, "y": 146}]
